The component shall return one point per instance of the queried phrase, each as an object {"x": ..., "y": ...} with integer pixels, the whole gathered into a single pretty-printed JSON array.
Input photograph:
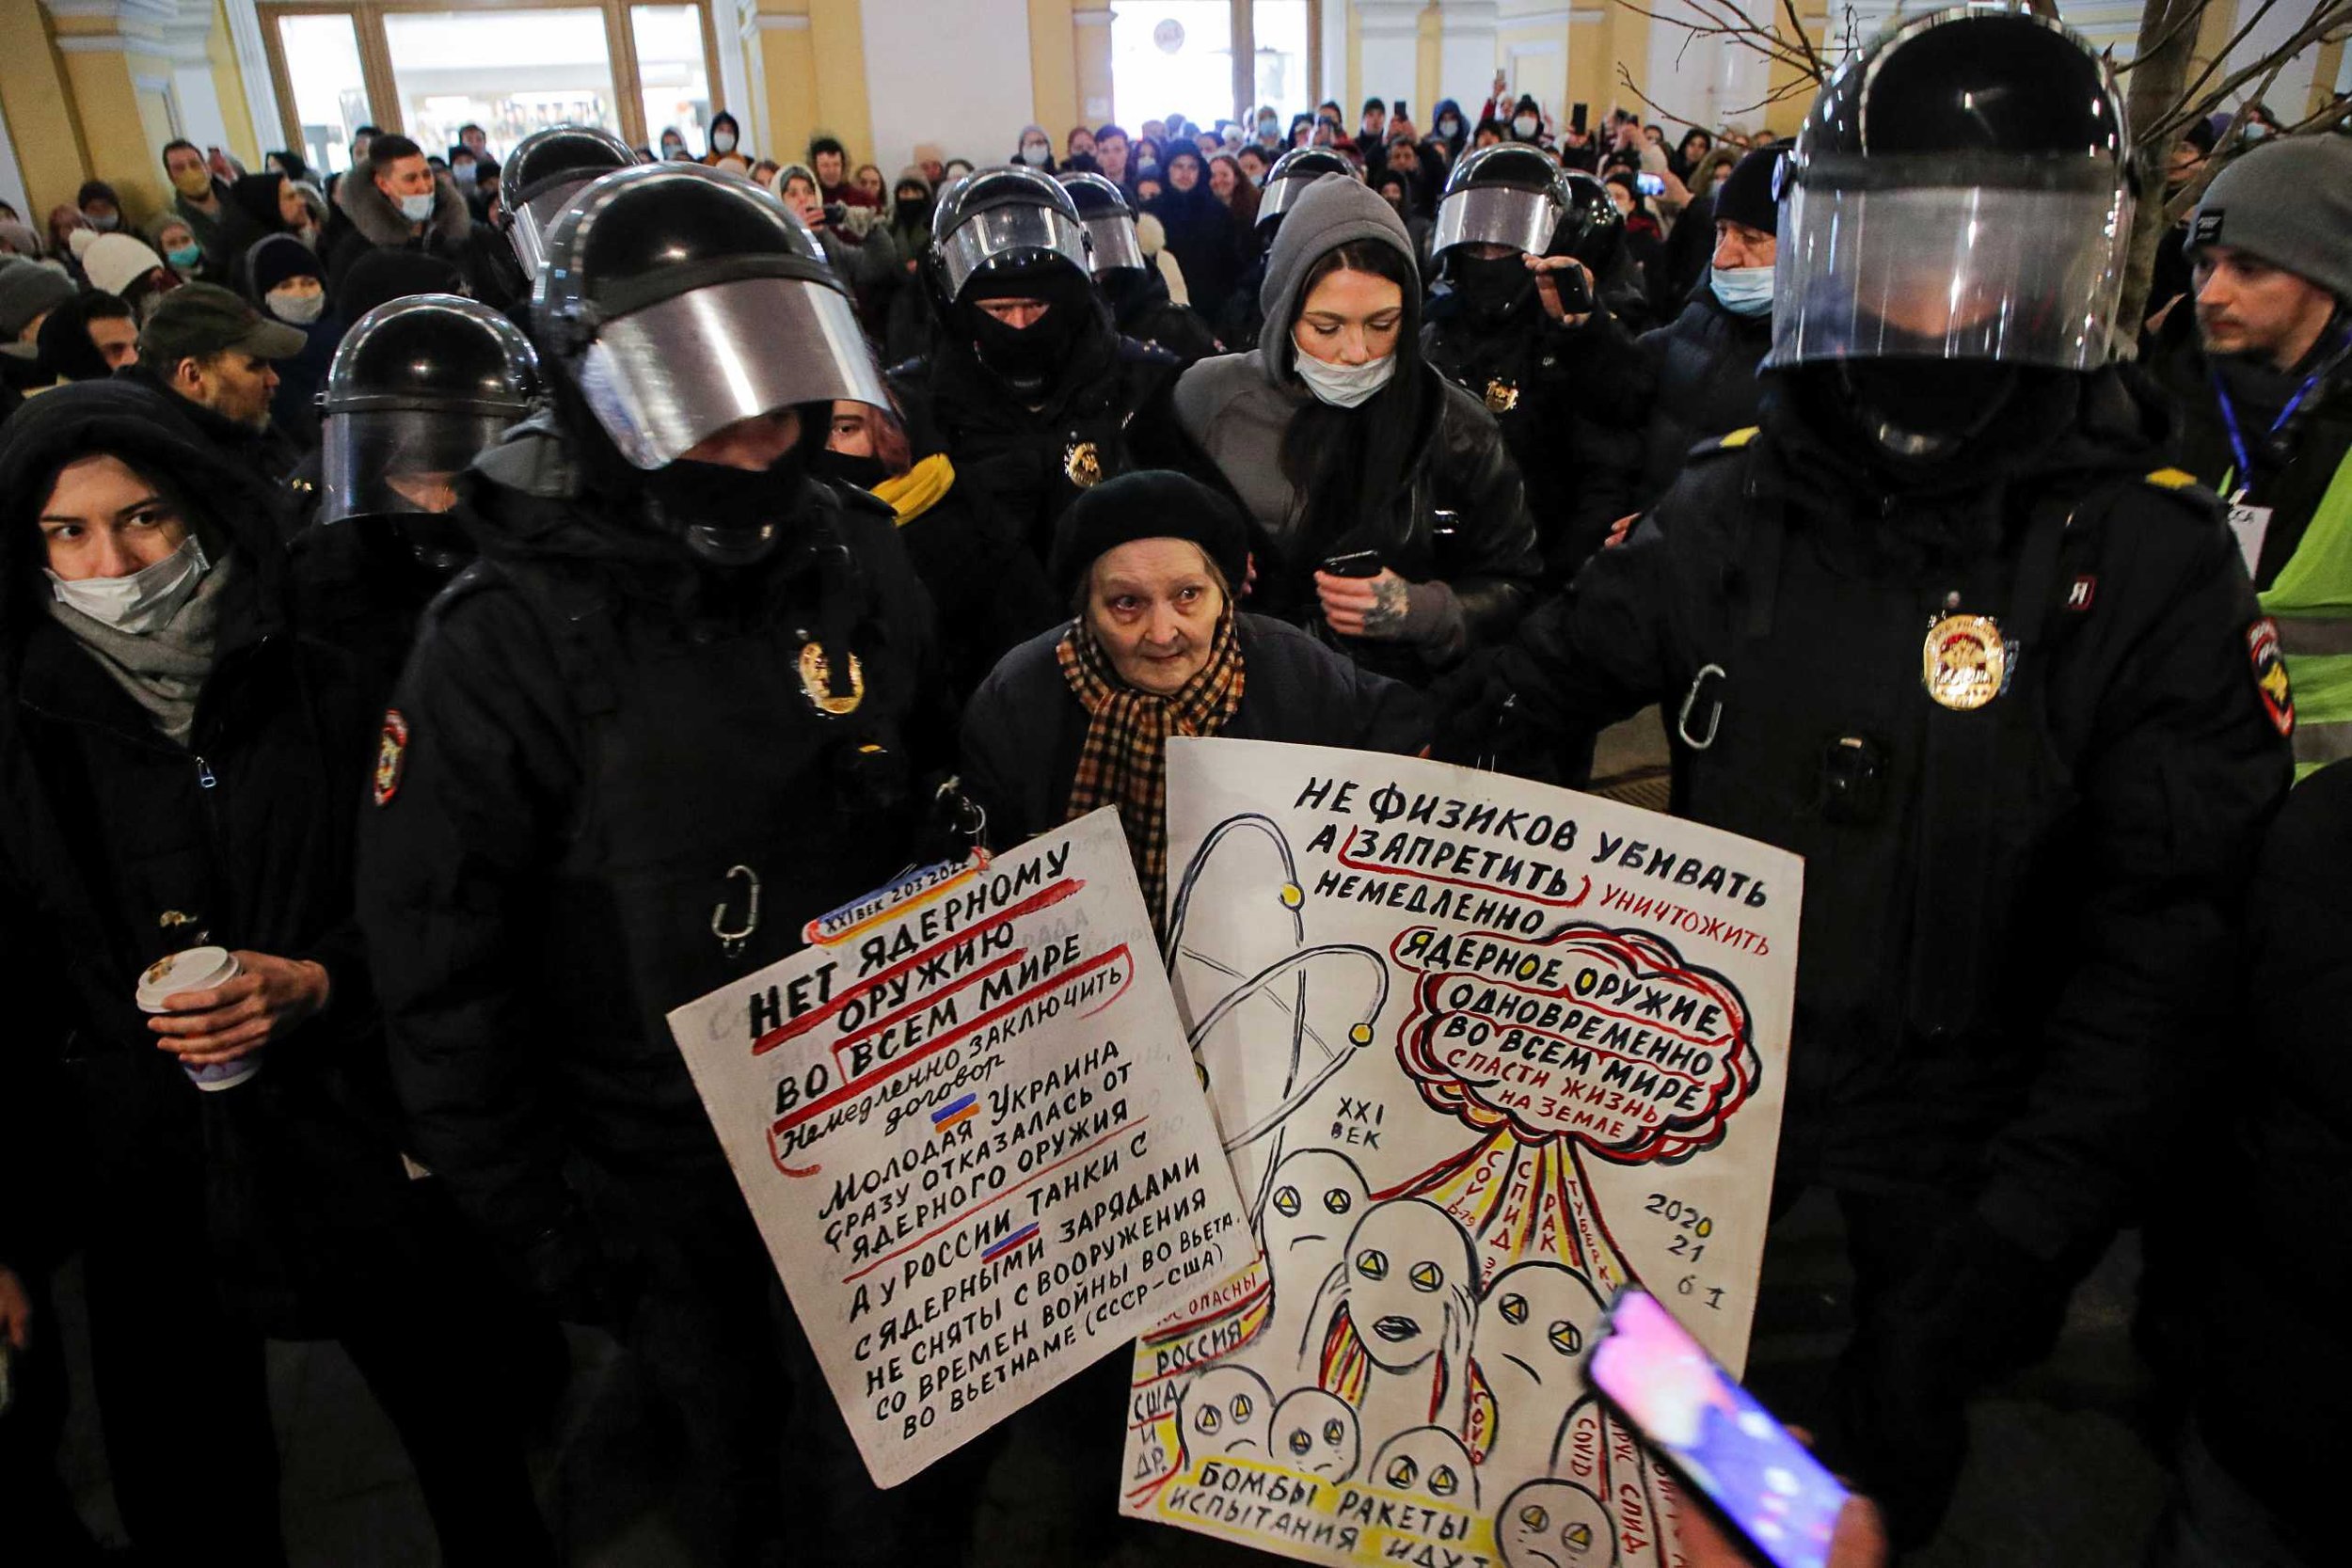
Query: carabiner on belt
[
  {"x": 1690, "y": 700},
  {"x": 731, "y": 942}
]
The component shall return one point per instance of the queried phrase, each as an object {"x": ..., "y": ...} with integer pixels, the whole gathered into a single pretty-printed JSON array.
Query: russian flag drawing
[
  {"x": 1026, "y": 1232},
  {"x": 955, "y": 1111}
]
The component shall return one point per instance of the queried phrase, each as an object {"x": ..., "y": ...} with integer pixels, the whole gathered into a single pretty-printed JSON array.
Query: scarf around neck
[
  {"x": 163, "y": 669},
  {"x": 1123, "y": 761}
]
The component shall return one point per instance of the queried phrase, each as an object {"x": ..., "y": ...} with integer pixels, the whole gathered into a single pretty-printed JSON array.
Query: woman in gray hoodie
[{"x": 1387, "y": 518}]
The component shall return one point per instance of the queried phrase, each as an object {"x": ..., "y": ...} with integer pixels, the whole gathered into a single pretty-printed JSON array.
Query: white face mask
[
  {"x": 146, "y": 599},
  {"x": 462, "y": 173},
  {"x": 1034, "y": 154},
  {"x": 416, "y": 209},
  {"x": 301, "y": 310},
  {"x": 1524, "y": 124},
  {"x": 1344, "y": 385},
  {"x": 1742, "y": 290},
  {"x": 723, "y": 141}
]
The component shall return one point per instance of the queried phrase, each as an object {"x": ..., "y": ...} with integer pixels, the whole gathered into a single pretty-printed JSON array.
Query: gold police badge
[
  {"x": 1082, "y": 464},
  {"x": 1964, "y": 664},
  {"x": 1501, "y": 397},
  {"x": 816, "y": 681}
]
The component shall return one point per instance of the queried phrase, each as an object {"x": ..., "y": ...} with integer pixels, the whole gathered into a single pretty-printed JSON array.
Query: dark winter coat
[
  {"x": 2016, "y": 920},
  {"x": 269, "y": 458},
  {"x": 372, "y": 222},
  {"x": 1699, "y": 380},
  {"x": 1142, "y": 311},
  {"x": 118, "y": 846},
  {"x": 1024, "y": 728}
]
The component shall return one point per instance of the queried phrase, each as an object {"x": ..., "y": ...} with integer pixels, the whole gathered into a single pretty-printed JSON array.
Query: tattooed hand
[{"x": 1371, "y": 608}]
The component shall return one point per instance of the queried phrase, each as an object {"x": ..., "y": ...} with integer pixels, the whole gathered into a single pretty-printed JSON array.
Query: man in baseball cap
[
  {"x": 210, "y": 351},
  {"x": 2267, "y": 392}
]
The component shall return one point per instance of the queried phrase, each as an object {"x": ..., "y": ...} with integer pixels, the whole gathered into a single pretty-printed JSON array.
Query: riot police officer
[
  {"x": 1518, "y": 325},
  {"x": 543, "y": 174},
  {"x": 674, "y": 711},
  {"x": 1129, "y": 283},
  {"x": 418, "y": 387},
  {"x": 1243, "y": 318},
  {"x": 1949, "y": 627},
  {"x": 1028, "y": 388}
]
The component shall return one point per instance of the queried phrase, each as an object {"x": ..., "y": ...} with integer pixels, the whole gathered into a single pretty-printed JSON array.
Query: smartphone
[
  {"x": 1361, "y": 563},
  {"x": 1652, "y": 185},
  {"x": 1396, "y": 110},
  {"x": 1576, "y": 295},
  {"x": 1578, "y": 114},
  {"x": 1728, "y": 1450}
]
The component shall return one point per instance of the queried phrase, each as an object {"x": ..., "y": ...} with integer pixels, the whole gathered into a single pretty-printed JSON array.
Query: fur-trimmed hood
[{"x": 374, "y": 215}]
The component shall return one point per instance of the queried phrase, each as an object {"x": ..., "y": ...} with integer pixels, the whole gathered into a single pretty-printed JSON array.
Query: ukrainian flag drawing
[{"x": 955, "y": 1111}]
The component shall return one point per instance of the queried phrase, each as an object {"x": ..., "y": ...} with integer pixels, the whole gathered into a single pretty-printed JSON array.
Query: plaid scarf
[{"x": 1124, "y": 760}]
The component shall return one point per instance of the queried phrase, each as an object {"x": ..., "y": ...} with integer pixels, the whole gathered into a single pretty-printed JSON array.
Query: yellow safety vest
[{"x": 2312, "y": 604}]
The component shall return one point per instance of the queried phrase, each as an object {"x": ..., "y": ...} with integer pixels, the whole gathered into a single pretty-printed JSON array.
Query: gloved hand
[{"x": 566, "y": 1267}]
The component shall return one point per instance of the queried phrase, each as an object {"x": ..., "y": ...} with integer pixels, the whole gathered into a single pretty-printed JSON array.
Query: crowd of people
[{"x": 490, "y": 598}]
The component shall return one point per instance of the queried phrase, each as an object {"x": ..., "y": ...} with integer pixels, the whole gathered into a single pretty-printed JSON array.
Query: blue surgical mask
[
  {"x": 416, "y": 209},
  {"x": 185, "y": 257},
  {"x": 1742, "y": 290}
]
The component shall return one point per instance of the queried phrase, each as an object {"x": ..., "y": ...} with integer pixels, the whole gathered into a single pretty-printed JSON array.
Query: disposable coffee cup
[{"x": 196, "y": 969}]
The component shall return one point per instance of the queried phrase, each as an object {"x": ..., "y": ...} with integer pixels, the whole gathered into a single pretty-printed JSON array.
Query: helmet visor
[
  {"x": 531, "y": 219},
  {"x": 1114, "y": 245},
  {"x": 2023, "y": 276},
  {"x": 681, "y": 369},
  {"x": 380, "y": 461},
  {"x": 1009, "y": 232},
  {"x": 1496, "y": 215}
]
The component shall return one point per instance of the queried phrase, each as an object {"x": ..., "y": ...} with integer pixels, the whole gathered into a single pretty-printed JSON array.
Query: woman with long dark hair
[{"x": 1387, "y": 517}]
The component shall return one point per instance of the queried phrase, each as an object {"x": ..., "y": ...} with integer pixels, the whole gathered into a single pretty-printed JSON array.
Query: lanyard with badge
[{"x": 2250, "y": 523}]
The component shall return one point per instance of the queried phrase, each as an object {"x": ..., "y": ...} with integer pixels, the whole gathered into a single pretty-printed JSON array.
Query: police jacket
[
  {"x": 1537, "y": 376},
  {"x": 2017, "y": 918},
  {"x": 1698, "y": 379},
  {"x": 1020, "y": 463},
  {"x": 119, "y": 845},
  {"x": 1143, "y": 311},
  {"x": 1025, "y": 727},
  {"x": 611, "y": 782}
]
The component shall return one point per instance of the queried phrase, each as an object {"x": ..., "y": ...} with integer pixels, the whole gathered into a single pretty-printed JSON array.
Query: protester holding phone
[{"x": 1338, "y": 438}]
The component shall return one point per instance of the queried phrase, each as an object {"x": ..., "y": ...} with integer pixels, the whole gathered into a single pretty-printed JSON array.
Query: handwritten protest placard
[
  {"x": 1481, "y": 1052},
  {"x": 967, "y": 1125}
]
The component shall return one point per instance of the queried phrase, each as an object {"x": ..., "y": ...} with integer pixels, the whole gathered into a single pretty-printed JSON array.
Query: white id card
[{"x": 2250, "y": 523}]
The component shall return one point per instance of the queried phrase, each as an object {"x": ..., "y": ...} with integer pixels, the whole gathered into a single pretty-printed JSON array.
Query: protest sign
[
  {"x": 1481, "y": 1052},
  {"x": 966, "y": 1123}
]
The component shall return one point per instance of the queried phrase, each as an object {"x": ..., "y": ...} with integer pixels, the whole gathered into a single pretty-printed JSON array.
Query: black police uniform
[
  {"x": 1244, "y": 317},
  {"x": 631, "y": 757},
  {"x": 1131, "y": 284}
]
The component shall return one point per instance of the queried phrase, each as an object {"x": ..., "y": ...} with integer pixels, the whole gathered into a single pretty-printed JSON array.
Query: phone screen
[
  {"x": 1727, "y": 1447},
  {"x": 1652, "y": 185}
]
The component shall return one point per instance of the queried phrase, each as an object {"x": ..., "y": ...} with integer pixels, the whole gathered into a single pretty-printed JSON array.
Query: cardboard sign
[
  {"x": 1481, "y": 1052},
  {"x": 966, "y": 1123}
]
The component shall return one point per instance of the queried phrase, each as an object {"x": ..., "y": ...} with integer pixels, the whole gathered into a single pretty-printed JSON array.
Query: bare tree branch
[
  {"x": 2191, "y": 18},
  {"x": 2196, "y": 103},
  {"x": 2197, "y": 84},
  {"x": 1813, "y": 67}
]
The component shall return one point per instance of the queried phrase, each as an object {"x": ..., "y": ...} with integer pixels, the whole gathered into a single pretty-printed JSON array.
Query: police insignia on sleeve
[
  {"x": 2270, "y": 673},
  {"x": 1964, "y": 664},
  {"x": 1501, "y": 397},
  {"x": 816, "y": 681},
  {"x": 1082, "y": 464},
  {"x": 392, "y": 755}
]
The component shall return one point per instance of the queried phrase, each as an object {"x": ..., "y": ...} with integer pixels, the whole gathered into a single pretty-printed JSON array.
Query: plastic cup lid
[{"x": 196, "y": 969}]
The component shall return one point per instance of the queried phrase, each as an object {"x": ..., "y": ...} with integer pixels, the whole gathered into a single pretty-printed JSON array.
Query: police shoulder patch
[
  {"x": 2270, "y": 673},
  {"x": 2169, "y": 479},
  {"x": 391, "y": 756},
  {"x": 1731, "y": 441}
]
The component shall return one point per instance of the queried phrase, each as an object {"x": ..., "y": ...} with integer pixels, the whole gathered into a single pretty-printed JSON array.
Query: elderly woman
[
  {"x": 1080, "y": 716},
  {"x": 177, "y": 771}
]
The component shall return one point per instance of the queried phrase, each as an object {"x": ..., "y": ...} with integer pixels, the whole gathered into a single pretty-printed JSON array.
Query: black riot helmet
[
  {"x": 1288, "y": 180},
  {"x": 1110, "y": 223},
  {"x": 418, "y": 387},
  {"x": 1002, "y": 221},
  {"x": 1959, "y": 192},
  {"x": 681, "y": 301},
  {"x": 545, "y": 169},
  {"x": 1592, "y": 229},
  {"x": 1510, "y": 194}
]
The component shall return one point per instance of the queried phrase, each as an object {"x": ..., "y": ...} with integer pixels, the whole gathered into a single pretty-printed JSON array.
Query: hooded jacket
[
  {"x": 1234, "y": 411},
  {"x": 375, "y": 224}
]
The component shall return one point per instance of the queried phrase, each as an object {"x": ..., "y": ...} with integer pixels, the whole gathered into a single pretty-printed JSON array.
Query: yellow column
[
  {"x": 1053, "y": 68},
  {"x": 1428, "y": 52},
  {"x": 837, "y": 55},
  {"x": 220, "y": 51},
  {"x": 1621, "y": 36},
  {"x": 780, "y": 64},
  {"x": 2325, "y": 69},
  {"x": 1789, "y": 101},
  {"x": 1091, "y": 30},
  {"x": 38, "y": 102},
  {"x": 118, "y": 75}
]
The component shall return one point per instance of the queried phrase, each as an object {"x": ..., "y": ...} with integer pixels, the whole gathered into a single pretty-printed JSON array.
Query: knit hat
[
  {"x": 114, "y": 262},
  {"x": 275, "y": 258},
  {"x": 1152, "y": 504},
  {"x": 18, "y": 239},
  {"x": 28, "y": 290},
  {"x": 1748, "y": 197},
  {"x": 1336, "y": 208},
  {"x": 2288, "y": 203}
]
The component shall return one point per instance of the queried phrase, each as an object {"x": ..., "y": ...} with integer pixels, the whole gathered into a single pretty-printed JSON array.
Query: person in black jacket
[
  {"x": 209, "y": 357},
  {"x": 1029, "y": 388},
  {"x": 1696, "y": 379},
  {"x": 398, "y": 201},
  {"x": 1347, "y": 450},
  {"x": 679, "y": 707},
  {"x": 1517, "y": 326},
  {"x": 175, "y": 759},
  {"x": 1951, "y": 629},
  {"x": 1128, "y": 281}
]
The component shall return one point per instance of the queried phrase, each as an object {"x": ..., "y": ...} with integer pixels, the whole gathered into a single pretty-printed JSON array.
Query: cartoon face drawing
[
  {"x": 1226, "y": 1410},
  {"x": 1316, "y": 1198},
  {"x": 1407, "y": 1278},
  {"x": 1534, "y": 1324},
  {"x": 1426, "y": 1462},
  {"x": 1315, "y": 1434},
  {"x": 1555, "y": 1523}
]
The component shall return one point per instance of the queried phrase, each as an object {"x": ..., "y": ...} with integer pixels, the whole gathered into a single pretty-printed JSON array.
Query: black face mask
[
  {"x": 841, "y": 468},
  {"x": 727, "y": 516},
  {"x": 1925, "y": 409},
  {"x": 915, "y": 212},
  {"x": 1491, "y": 285},
  {"x": 1029, "y": 359}
]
